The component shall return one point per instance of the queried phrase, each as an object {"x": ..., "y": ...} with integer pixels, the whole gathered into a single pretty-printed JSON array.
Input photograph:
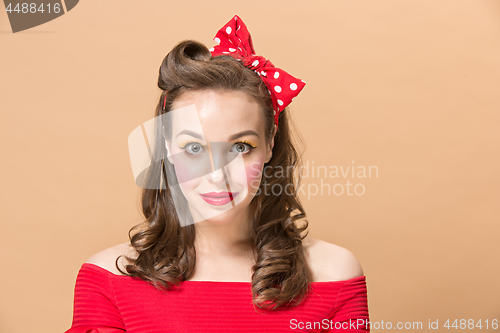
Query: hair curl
[{"x": 166, "y": 252}]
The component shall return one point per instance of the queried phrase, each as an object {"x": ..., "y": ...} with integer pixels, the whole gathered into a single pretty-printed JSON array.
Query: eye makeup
[
  {"x": 249, "y": 143},
  {"x": 187, "y": 145},
  {"x": 183, "y": 144}
]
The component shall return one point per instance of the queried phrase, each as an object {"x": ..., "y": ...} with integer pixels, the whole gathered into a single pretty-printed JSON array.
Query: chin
[
  {"x": 221, "y": 219},
  {"x": 218, "y": 221}
]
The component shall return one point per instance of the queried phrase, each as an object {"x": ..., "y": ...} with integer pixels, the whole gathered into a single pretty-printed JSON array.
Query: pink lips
[{"x": 218, "y": 198}]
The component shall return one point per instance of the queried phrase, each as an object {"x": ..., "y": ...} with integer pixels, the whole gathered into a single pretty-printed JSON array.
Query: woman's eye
[
  {"x": 241, "y": 148},
  {"x": 194, "y": 148}
]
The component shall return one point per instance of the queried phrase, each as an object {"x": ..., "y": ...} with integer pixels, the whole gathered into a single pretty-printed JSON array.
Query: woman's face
[{"x": 218, "y": 149}]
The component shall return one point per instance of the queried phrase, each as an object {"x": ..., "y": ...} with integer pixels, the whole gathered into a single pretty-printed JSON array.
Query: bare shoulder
[
  {"x": 330, "y": 262},
  {"x": 106, "y": 258}
]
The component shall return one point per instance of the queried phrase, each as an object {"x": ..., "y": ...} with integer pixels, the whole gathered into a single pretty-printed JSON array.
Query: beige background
[{"x": 410, "y": 87}]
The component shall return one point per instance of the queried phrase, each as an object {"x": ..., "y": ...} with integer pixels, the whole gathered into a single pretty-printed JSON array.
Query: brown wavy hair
[{"x": 166, "y": 252}]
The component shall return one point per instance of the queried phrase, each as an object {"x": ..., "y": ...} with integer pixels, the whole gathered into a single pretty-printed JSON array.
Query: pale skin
[{"x": 222, "y": 244}]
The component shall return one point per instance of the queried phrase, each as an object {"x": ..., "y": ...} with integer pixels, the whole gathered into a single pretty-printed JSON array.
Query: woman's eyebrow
[
  {"x": 232, "y": 137},
  {"x": 191, "y": 133},
  {"x": 240, "y": 134}
]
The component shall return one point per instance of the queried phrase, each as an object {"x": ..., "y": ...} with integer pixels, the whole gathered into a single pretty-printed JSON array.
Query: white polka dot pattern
[{"x": 234, "y": 39}]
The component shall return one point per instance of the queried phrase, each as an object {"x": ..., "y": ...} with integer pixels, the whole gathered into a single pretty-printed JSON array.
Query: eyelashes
[
  {"x": 244, "y": 144},
  {"x": 198, "y": 148},
  {"x": 194, "y": 148}
]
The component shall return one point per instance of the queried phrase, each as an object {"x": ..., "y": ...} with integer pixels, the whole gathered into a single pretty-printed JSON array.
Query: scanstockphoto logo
[
  {"x": 26, "y": 15},
  {"x": 322, "y": 180}
]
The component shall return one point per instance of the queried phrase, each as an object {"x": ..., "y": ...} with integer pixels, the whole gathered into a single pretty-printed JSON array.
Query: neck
[{"x": 225, "y": 238}]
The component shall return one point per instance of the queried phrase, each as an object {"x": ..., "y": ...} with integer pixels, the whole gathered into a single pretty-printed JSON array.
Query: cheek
[
  {"x": 254, "y": 171},
  {"x": 183, "y": 174},
  {"x": 188, "y": 169},
  {"x": 187, "y": 187},
  {"x": 187, "y": 177}
]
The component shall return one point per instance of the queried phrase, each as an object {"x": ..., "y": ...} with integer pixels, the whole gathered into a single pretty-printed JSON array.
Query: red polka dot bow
[{"x": 233, "y": 39}]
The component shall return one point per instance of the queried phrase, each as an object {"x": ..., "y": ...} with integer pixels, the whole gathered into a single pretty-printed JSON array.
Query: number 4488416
[
  {"x": 32, "y": 8},
  {"x": 471, "y": 324}
]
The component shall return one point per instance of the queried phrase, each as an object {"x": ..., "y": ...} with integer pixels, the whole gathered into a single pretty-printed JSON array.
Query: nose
[
  {"x": 220, "y": 158},
  {"x": 218, "y": 151},
  {"x": 217, "y": 176}
]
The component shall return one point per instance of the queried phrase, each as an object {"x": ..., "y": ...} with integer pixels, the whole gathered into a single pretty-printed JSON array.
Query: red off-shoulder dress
[{"x": 108, "y": 303}]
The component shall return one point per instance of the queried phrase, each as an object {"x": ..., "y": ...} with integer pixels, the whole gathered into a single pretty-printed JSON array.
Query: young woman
[{"x": 221, "y": 248}]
